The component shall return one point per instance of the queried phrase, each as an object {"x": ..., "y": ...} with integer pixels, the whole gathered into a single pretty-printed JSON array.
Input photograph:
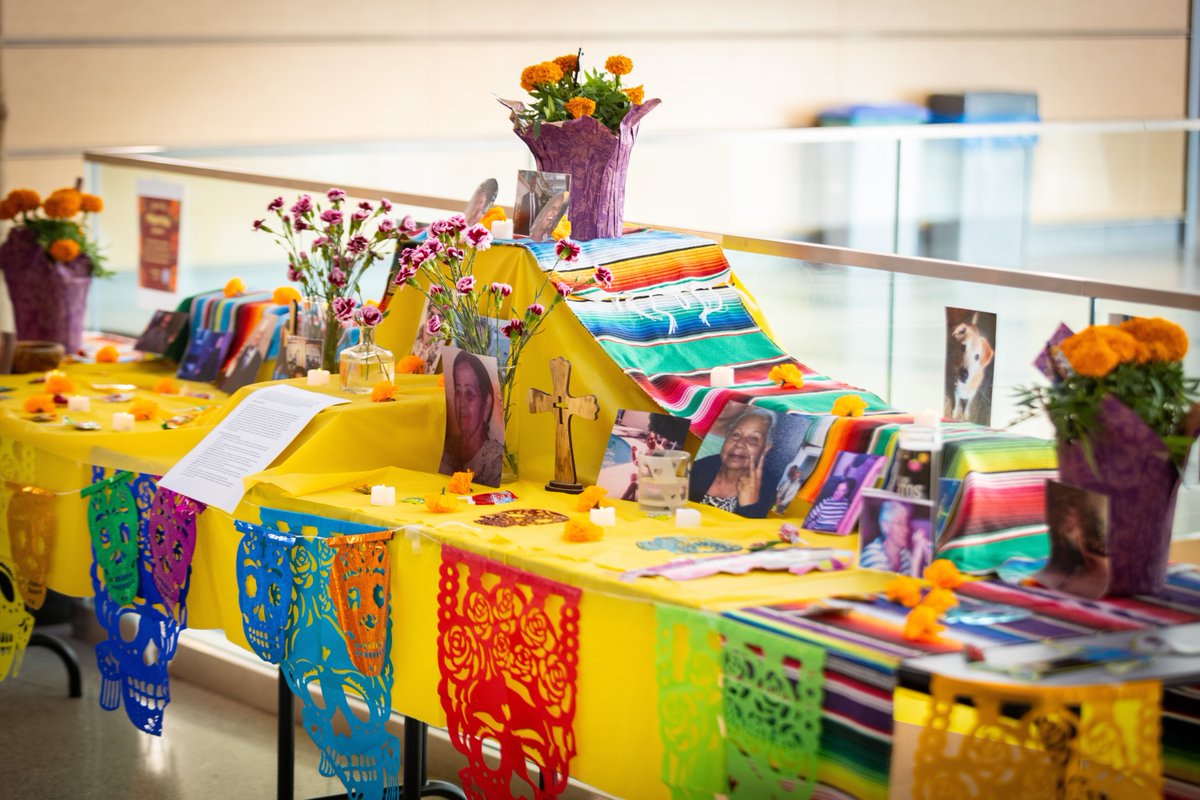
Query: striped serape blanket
[{"x": 865, "y": 646}]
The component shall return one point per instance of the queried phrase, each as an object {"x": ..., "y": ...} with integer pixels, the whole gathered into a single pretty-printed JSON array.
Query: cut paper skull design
[
  {"x": 264, "y": 575},
  {"x": 16, "y": 624},
  {"x": 171, "y": 537},
  {"x": 359, "y": 585},
  {"x": 31, "y": 530},
  {"x": 113, "y": 524}
]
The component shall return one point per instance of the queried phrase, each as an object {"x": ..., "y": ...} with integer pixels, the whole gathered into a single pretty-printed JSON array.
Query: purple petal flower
[
  {"x": 332, "y": 217},
  {"x": 567, "y": 250},
  {"x": 503, "y": 289},
  {"x": 408, "y": 224},
  {"x": 369, "y": 316},
  {"x": 300, "y": 225},
  {"x": 563, "y": 289},
  {"x": 440, "y": 227},
  {"x": 319, "y": 242},
  {"x": 457, "y": 221},
  {"x": 405, "y": 274},
  {"x": 360, "y": 216},
  {"x": 604, "y": 276},
  {"x": 343, "y": 308},
  {"x": 303, "y": 205},
  {"x": 433, "y": 325},
  {"x": 258, "y": 224},
  {"x": 358, "y": 243},
  {"x": 465, "y": 284},
  {"x": 294, "y": 275},
  {"x": 335, "y": 195},
  {"x": 417, "y": 255},
  {"x": 365, "y": 206},
  {"x": 387, "y": 225},
  {"x": 436, "y": 289},
  {"x": 479, "y": 237},
  {"x": 455, "y": 253},
  {"x": 536, "y": 309},
  {"x": 513, "y": 328},
  {"x": 386, "y": 205},
  {"x": 337, "y": 277},
  {"x": 275, "y": 204},
  {"x": 433, "y": 246}
]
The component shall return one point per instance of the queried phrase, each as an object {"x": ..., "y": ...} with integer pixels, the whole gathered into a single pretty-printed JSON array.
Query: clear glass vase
[
  {"x": 317, "y": 324},
  {"x": 510, "y": 468},
  {"x": 365, "y": 364}
]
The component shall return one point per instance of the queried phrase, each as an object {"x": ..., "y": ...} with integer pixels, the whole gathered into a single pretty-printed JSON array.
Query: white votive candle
[
  {"x": 687, "y": 518},
  {"x": 605, "y": 517},
  {"x": 122, "y": 421},
  {"x": 502, "y": 229},
  {"x": 721, "y": 376},
  {"x": 382, "y": 495},
  {"x": 78, "y": 402},
  {"x": 318, "y": 377}
]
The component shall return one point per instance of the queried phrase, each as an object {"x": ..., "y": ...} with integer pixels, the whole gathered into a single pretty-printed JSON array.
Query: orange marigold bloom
[
  {"x": 849, "y": 405},
  {"x": 57, "y": 382},
  {"x": 91, "y": 203},
  {"x": 410, "y": 365},
  {"x": 1096, "y": 350},
  {"x": 1162, "y": 339},
  {"x": 591, "y": 497},
  {"x": 562, "y": 230},
  {"x": 441, "y": 503},
  {"x": 144, "y": 409},
  {"x": 8, "y": 209},
  {"x": 107, "y": 355},
  {"x": 636, "y": 94},
  {"x": 383, "y": 391},
  {"x": 787, "y": 375},
  {"x": 618, "y": 65},
  {"x": 580, "y": 107},
  {"x": 944, "y": 574},
  {"x": 64, "y": 250},
  {"x": 546, "y": 72},
  {"x": 568, "y": 63},
  {"x": 24, "y": 199},
  {"x": 904, "y": 590},
  {"x": 940, "y": 600},
  {"x": 494, "y": 213},
  {"x": 921, "y": 624},
  {"x": 62, "y": 204},
  {"x": 40, "y": 404},
  {"x": 234, "y": 287},
  {"x": 460, "y": 482},
  {"x": 166, "y": 386},
  {"x": 285, "y": 296},
  {"x": 582, "y": 530}
]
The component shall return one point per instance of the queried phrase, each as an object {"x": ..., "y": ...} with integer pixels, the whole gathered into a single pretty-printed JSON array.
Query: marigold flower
[
  {"x": 562, "y": 230},
  {"x": 591, "y": 497},
  {"x": 40, "y": 404},
  {"x": 410, "y": 365},
  {"x": 787, "y": 375},
  {"x": 636, "y": 94},
  {"x": 235, "y": 287},
  {"x": 8, "y": 209},
  {"x": 460, "y": 482},
  {"x": 618, "y": 65},
  {"x": 1098, "y": 349},
  {"x": 91, "y": 203},
  {"x": 285, "y": 296},
  {"x": 24, "y": 200},
  {"x": 57, "y": 382},
  {"x": 383, "y": 392},
  {"x": 144, "y": 409},
  {"x": 580, "y": 107},
  {"x": 578, "y": 529},
  {"x": 849, "y": 405},
  {"x": 904, "y": 590},
  {"x": 944, "y": 574},
  {"x": 441, "y": 503},
  {"x": 64, "y": 250},
  {"x": 538, "y": 74},
  {"x": 491, "y": 215},
  {"x": 107, "y": 355},
  {"x": 940, "y": 600},
  {"x": 1162, "y": 339},
  {"x": 921, "y": 624},
  {"x": 166, "y": 386},
  {"x": 62, "y": 204},
  {"x": 567, "y": 63}
]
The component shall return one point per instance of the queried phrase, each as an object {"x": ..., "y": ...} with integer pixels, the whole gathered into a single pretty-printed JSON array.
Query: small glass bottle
[{"x": 364, "y": 364}]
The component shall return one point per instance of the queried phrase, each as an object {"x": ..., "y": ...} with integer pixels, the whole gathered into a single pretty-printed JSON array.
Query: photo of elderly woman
[
  {"x": 1078, "y": 521},
  {"x": 741, "y": 460},
  {"x": 895, "y": 533},
  {"x": 474, "y": 419}
]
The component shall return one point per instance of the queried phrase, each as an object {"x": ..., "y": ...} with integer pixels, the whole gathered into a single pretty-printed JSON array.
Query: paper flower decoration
[
  {"x": 562, "y": 230},
  {"x": 787, "y": 375},
  {"x": 383, "y": 392},
  {"x": 921, "y": 624},
  {"x": 285, "y": 296},
  {"x": 166, "y": 386},
  {"x": 235, "y": 287},
  {"x": 578, "y": 529},
  {"x": 940, "y": 600},
  {"x": 441, "y": 503},
  {"x": 460, "y": 482},
  {"x": 591, "y": 497},
  {"x": 57, "y": 382},
  {"x": 40, "y": 404},
  {"x": 144, "y": 409},
  {"x": 943, "y": 574},
  {"x": 410, "y": 365},
  {"x": 849, "y": 405},
  {"x": 903, "y": 590}
]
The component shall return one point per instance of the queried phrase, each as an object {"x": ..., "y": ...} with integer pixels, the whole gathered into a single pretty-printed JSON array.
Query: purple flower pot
[
  {"x": 1134, "y": 469},
  {"x": 49, "y": 299},
  {"x": 597, "y": 161}
]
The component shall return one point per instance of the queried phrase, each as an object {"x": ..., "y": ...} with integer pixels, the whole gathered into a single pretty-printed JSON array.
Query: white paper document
[{"x": 243, "y": 443}]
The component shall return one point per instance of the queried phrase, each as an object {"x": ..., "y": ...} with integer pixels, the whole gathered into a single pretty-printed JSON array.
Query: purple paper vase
[
  {"x": 49, "y": 299},
  {"x": 597, "y": 161},
  {"x": 1135, "y": 471}
]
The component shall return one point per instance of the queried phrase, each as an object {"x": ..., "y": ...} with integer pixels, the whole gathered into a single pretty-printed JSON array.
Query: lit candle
[
  {"x": 382, "y": 495},
  {"x": 502, "y": 229},
  {"x": 122, "y": 421},
  {"x": 687, "y": 518},
  {"x": 318, "y": 377},
  {"x": 606, "y": 517},
  {"x": 721, "y": 376},
  {"x": 78, "y": 402}
]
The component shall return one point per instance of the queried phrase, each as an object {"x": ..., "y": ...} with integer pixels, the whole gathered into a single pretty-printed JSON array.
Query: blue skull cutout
[
  {"x": 264, "y": 576},
  {"x": 367, "y": 758}
]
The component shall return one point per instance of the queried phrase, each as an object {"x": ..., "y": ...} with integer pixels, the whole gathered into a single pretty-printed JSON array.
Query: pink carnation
[
  {"x": 567, "y": 250},
  {"x": 300, "y": 225},
  {"x": 536, "y": 309},
  {"x": 303, "y": 205},
  {"x": 385, "y": 204},
  {"x": 360, "y": 216},
  {"x": 503, "y": 289},
  {"x": 465, "y": 284},
  {"x": 294, "y": 275},
  {"x": 369, "y": 316},
  {"x": 337, "y": 277},
  {"x": 433, "y": 325},
  {"x": 386, "y": 226},
  {"x": 358, "y": 243},
  {"x": 405, "y": 274},
  {"x": 479, "y": 237},
  {"x": 275, "y": 204},
  {"x": 336, "y": 195},
  {"x": 343, "y": 308},
  {"x": 564, "y": 289},
  {"x": 408, "y": 224},
  {"x": 457, "y": 221},
  {"x": 258, "y": 224},
  {"x": 604, "y": 276},
  {"x": 513, "y": 328},
  {"x": 436, "y": 289},
  {"x": 440, "y": 226},
  {"x": 331, "y": 217}
]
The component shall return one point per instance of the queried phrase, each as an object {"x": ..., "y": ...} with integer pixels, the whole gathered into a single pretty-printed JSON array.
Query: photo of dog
[{"x": 970, "y": 351}]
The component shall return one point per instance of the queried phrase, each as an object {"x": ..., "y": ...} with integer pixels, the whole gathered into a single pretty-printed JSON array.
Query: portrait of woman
[
  {"x": 895, "y": 535},
  {"x": 1078, "y": 521},
  {"x": 474, "y": 427},
  {"x": 733, "y": 478}
]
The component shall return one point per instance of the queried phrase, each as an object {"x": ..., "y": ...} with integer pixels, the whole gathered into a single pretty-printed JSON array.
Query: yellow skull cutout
[
  {"x": 16, "y": 624},
  {"x": 31, "y": 530}
]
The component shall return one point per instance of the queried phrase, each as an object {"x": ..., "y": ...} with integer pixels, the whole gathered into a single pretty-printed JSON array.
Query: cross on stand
[{"x": 566, "y": 406}]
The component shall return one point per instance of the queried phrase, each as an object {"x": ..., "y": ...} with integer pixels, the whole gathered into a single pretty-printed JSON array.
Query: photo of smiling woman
[{"x": 474, "y": 421}]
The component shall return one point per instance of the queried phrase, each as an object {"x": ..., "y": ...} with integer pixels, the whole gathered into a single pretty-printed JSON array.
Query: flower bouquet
[
  {"x": 346, "y": 241},
  {"x": 583, "y": 124},
  {"x": 471, "y": 315},
  {"x": 49, "y": 262},
  {"x": 1125, "y": 416}
]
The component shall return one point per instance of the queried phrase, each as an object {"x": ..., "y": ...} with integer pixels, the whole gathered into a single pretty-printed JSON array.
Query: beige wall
[{"x": 89, "y": 73}]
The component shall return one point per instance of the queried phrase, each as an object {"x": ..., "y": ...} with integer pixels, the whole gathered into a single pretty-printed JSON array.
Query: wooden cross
[{"x": 566, "y": 406}]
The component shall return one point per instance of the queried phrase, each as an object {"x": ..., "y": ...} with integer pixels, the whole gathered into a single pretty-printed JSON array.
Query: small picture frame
[
  {"x": 474, "y": 417},
  {"x": 1078, "y": 521},
  {"x": 895, "y": 533},
  {"x": 205, "y": 355},
  {"x": 969, "y": 374},
  {"x": 635, "y": 433},
  {"x": 837, "y": 506},
  {"x": 542, "y": 200},
  {"x": 161, "y": 332}
]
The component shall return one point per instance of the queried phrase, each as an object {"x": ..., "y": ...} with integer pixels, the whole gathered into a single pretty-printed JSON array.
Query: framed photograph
[
  {"x": 895, "y": 533},
  {"x": 483, "y": 198},
  {"x": 205, "y": 355},
  {"x": 1078, "y": 521},
  {"x": 540, "y": 196},
  {"x": 474, "y": 416},
  {"x": 634, "y": 433},
  {"x": 837, "y": 505},
  {"x": 970, "y": 351},
  {"x": 297, "y": 356},
  {"x": 742, "y": 459},
  {"x": 161, "y": 333},
  {"x": 244, "y": 368}
]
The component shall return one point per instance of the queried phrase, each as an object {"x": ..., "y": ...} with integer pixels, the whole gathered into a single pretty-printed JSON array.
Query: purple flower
[
  {"x": 337, "y": 277},
  {"x": 604, "y": 276},
  {"x": 455, "y": 253},
  {"x": 465, "y": 284},
  {"x": 294, "y": 275},
  {"x": 503, "y": 289},
  {"x": 436, "y": 289},
  {"x": 365, "y": 206},
  {"x": 563, "y": 289},
  {"x": 332, "y": 217},
  {"x": 513, "y": 328},
  {"x": 335, "y": 195},
  {"x": 369, "y": 316},
  {"x": 386, "y": 225},
  {"x": 319, "y": 242},
  {"x": 439, "y": 227},
  {"x": 300, "y": 225},
  {"x": 408, "y": 224},
  {"x": 433, "y": 325},
  {"x": 275, "y": 204},
  {"x": 405, "y": 274},
  {"x": 479, "y": 237},
  {"x": 303, "y": 205},
  {"x": 536, "y": 309},
  {"x": 568, "y": 251},
  {"x": 386, "y": 205},
  {"x": 358, "y": 243},
  {"x": 457, "y": 221},
  {"x": 417, "y": 255},
  {"x": 360, "y": 215},
  {"x": 433, "y": 246},
  {"x": 258, "y": 224},
  {"x": 343, "y": 308}
]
